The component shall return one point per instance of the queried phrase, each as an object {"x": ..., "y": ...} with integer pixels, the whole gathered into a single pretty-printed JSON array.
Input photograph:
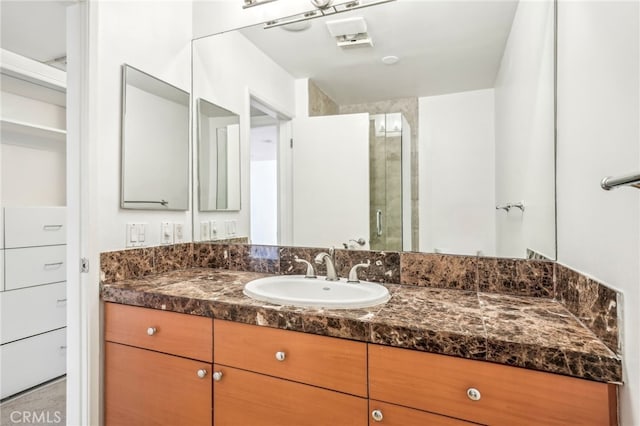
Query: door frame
[{"x": 83, "y": 288}]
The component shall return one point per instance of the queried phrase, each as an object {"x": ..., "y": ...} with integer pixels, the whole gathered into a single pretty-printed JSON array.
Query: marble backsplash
[{"x": 593, "y": 303}]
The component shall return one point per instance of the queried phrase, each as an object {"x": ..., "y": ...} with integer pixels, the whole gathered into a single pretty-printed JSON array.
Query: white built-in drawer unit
[
  {"x": 33, "y": 310},
  {"x": 29, "y": 362},
  {"x": 26, "y": 267},
  {"x": 34, "y": 226}
]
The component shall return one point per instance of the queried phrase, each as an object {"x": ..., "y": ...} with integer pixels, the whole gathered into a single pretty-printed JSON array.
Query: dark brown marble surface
[
  {"x": 522, "y": 331},
  {"x": 593, "y": 303}
]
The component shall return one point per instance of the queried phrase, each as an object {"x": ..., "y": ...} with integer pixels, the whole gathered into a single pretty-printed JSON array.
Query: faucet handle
[
  {"x": 353, "y": 273},
  {"x": 311, "y": 273}
]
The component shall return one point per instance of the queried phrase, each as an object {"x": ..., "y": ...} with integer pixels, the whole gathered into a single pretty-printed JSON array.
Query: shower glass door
[{"x": 385, "y": 181}]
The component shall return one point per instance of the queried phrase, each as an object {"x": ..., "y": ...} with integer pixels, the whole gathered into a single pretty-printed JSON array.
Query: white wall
[
  {"x": 227, "y": 70},
  {"x": 525, "y": 133},
  {"x": 456, "y": 163},
  {"x": 599, "y": 135},
  {"x": 155, "y": 40}
]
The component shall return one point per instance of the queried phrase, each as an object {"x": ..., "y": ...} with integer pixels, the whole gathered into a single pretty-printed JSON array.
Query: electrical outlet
[
  {"x": 178, "y": 233},
  {"x": 205, "y": 234},
  {"x": 213, "y": 229},
  {"x": 166, "y": 233}
]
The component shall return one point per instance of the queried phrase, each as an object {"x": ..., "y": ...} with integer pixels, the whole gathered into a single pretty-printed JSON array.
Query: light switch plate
[{"x": 136, "y": 235}]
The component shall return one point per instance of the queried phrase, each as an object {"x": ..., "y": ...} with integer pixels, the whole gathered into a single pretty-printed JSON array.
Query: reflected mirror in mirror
[
  {"x": 155, "y": 143},
  {"x": 218, "y": 158},
  {"x": 419, "y": 125}
]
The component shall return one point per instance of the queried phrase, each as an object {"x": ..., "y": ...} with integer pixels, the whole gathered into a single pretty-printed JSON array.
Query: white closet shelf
[{"x": 34, "y": 130}]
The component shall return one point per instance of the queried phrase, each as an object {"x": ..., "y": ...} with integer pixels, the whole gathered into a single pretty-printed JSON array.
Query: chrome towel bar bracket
[{"x": 611, "y": 182}]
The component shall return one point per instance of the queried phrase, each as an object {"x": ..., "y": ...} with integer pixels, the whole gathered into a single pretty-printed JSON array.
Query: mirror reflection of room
[{"x": 464, "y": 94}]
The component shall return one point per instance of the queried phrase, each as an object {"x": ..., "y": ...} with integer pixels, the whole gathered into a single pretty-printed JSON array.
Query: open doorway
[{"x": 33, "y": 212}]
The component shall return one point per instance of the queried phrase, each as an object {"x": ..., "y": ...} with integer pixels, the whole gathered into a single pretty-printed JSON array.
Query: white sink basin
[{"x": 296, "y": 290}]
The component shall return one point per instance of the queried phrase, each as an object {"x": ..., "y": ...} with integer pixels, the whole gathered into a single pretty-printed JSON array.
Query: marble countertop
[{"x": 529, "y": 332}]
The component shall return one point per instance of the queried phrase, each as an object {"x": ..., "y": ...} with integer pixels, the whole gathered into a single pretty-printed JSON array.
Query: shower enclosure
[{"x": 389, "y": 192}]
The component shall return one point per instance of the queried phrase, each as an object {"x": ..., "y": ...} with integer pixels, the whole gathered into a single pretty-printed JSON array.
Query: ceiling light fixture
[
  {"x": 390, "y": 60},
  {"x": 252, "y": 3},
  {"x": 333, "y": 8}
]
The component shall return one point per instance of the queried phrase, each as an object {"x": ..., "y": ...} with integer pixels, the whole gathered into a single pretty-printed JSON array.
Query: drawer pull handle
[
  {"x": 63, "y": 347},
  {"x": 202, "y": 373},
  {"x": 151, "y": 331},
  {"x": 377, "y": 415},
  {"x": 61, "y": 301},
  {"x": 51, "y": 265},
  {"x": 217, "y": 376},
  {"x": 474, "y": 394},
  {"x": 51, "y": 227},
  {"x": 280, "y": 356}
]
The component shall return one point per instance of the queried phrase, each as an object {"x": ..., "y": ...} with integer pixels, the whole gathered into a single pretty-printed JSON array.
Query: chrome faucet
[
  {"x": 311, "y": 273},
  {"x": 329, "y": 261}
]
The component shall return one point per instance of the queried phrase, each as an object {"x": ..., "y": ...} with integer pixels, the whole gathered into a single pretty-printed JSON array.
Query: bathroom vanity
[{"x": 187, "y": 347}]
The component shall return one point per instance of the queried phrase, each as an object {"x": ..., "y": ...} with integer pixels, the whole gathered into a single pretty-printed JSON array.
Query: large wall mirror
[
  {"x": 155, "y": 143},
  {"x": 410, "y": 125},
  {"x": 218, "y": 158}
]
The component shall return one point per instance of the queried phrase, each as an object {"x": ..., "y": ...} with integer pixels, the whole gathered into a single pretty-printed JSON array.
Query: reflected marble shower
[{"x": 385, "y": 181}]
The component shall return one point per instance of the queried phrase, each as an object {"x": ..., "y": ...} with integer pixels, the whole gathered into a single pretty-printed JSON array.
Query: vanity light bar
[
  {"x": 330, "y": 10},
  {"x": 252, "y": 3}
]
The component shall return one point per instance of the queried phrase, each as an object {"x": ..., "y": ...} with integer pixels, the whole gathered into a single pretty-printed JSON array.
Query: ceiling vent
[{"x": 350, "y": 32}]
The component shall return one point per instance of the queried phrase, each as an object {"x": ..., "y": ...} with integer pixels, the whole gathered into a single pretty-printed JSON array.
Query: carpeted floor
[{"x": 43, "y": 405}]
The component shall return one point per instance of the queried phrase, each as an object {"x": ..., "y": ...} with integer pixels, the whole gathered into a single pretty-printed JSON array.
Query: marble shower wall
[
  {"x": 319, "y": 102},
  {"x": 592, "y": 302}
]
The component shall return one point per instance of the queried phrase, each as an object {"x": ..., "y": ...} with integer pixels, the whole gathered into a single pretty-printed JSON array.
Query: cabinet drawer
[
  {"x": 179, "y": 334},
  {"x": 317, "y": 360},
  {"x": 508, "y": 395},
  {"x": 29, "y": 311},
  {"x": 29, "y": 362},
  {"x": 143, "y": 387},
  {"x": 34, "y": 226},
  {"x": 245, "y": 398},
  {"x": 35, "y": 265},
  {"x": 395, "y": 415}
]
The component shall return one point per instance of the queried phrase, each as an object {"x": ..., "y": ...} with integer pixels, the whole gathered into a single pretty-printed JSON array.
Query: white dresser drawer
[
  {"x": 25, "y": 267},
  {"x": 34, "y": 226},
  {"x": 29, "y": 362},
  {"x": 32, "y": 310}
]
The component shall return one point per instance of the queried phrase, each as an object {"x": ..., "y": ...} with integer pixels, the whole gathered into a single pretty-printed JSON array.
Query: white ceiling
[
  {"x": 443, "y": 46},
  {"x": 35, "y": 29}
]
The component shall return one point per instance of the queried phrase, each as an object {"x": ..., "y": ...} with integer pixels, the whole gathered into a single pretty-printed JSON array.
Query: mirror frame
[{"x": 140, "y": 205}]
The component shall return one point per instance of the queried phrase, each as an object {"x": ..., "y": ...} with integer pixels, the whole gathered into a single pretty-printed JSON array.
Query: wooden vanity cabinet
[
  {"x": 159, "y": 370},
  {"x": 487, "y": 393},
  {"x": 157, "y": 367},
  {"x": 382, "y": 413},
  {"x": 246, "y": 398},
  {"x": 265, "y": 376}
]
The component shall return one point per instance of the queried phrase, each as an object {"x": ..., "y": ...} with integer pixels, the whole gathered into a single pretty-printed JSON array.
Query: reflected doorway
[{"x": 269, "y": 171}]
